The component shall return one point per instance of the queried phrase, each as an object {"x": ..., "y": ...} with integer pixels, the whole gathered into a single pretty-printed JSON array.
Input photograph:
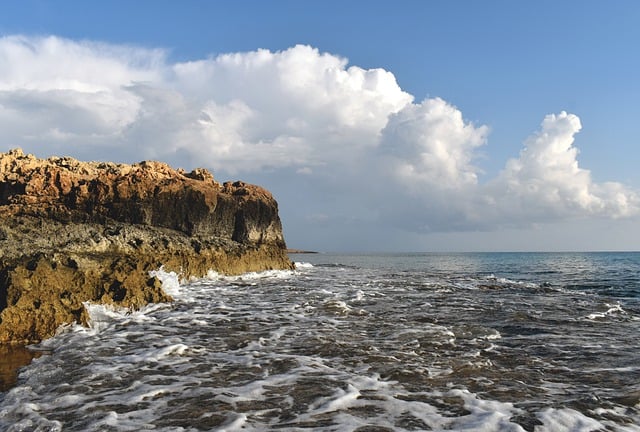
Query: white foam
[
  {"x": 487, "y": 415},
  {"x": 303, "y": 265},
  {"x": 251, "y": 352},
  {"x": 236, "y": 424},
  {"x": 17, "y": 404},
  {"x": 185, "y": 289},
  {"x": 101, "y": 316},
  {"x": 155, "y": 355},
  {"x": 567, "y": 420},
  {"x": 254, "y": 276},
  {"x": 341, "y": 400},
  {"x": 170, "y": 281},
  {"x": 339, "y": 307},
  {"x": 617, "y": 412},
  {"x": 507, "y": 281},
  {"x": 494, "y": 335},
  {"x": 250, "y": 278},
  {"x": 613, "y": 309}
]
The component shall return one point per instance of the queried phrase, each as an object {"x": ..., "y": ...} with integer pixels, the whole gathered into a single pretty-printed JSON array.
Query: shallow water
[
  {"x": 13, "y": 357},
  {"x": 512, "y": 342}
]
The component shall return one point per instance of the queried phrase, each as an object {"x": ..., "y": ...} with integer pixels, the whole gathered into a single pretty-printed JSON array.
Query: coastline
[{"x": 75, "y": 232}]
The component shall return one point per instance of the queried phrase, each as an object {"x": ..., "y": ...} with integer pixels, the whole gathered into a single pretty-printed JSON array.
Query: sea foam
[{"x": 291, "y": 351}]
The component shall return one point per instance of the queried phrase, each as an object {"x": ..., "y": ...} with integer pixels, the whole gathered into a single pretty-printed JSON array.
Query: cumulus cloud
[
  {"x": 350, "y": 136},
  {"x": 546, "y": 182},
  {"x": 290, "y": 108},
  {"x": 430, "y": 145}
]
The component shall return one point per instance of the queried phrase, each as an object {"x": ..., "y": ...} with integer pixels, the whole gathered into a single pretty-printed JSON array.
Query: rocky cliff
[{"x": 74, "y": 232}]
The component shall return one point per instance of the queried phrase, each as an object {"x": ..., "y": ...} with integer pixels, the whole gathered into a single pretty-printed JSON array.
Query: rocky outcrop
[{"x": 75, "y": 232}]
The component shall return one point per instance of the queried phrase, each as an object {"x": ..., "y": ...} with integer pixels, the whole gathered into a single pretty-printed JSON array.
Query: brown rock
[{"x": 75, "y": 231}]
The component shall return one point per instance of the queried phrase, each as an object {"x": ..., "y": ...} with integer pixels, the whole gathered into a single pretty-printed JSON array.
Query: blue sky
[{"x": 420, "y": 146}]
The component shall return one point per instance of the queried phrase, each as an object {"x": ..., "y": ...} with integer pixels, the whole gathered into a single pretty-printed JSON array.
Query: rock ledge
[{"x": 75, "y": 232}]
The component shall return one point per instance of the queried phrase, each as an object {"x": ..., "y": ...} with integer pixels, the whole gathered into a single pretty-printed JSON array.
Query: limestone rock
[{"x": 76, "y": 231}]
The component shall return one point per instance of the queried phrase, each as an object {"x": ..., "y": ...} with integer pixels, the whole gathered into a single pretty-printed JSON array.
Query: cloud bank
[{"x": 350, "y": 137}]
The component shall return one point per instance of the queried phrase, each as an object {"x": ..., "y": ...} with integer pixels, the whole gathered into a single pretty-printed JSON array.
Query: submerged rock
[{"x": 75, "y": 232}]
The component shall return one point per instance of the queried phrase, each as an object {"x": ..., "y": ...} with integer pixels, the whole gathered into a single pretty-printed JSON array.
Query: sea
[{"x": 367, "y": 343}]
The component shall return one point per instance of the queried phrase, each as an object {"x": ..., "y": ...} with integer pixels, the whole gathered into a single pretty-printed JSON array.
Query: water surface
[{"x": 513, "y": 342}]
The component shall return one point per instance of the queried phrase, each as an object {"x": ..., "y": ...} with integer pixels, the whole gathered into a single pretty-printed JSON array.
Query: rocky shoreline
[{"x": 75, "y": 232}]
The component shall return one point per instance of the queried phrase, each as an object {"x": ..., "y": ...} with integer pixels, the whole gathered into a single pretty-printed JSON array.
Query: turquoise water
[{"x": 495, "y": 342}]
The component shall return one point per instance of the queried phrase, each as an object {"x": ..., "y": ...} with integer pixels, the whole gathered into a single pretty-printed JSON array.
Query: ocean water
[{"x": 405, "y": 342}]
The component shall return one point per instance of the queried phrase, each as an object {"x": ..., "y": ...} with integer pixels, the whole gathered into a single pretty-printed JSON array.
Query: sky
[{"x": 377, "y": 125}]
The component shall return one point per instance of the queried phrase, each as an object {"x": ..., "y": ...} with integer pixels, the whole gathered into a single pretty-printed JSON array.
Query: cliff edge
[{"x": 74, "y": 232}]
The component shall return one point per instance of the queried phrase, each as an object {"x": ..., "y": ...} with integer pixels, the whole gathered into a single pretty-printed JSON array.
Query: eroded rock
[{"x": 76, "y": 231}]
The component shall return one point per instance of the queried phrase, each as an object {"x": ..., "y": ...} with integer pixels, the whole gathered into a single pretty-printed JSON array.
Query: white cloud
[
  {"x": 430, "y": 145},
  {"x": 56, "y": 89},
  {"x": 351, "y": 137},
  {"x": 546, "y": 182},
  {"x": 305, "y": 107},
  {"x": 52, "y": 63}
]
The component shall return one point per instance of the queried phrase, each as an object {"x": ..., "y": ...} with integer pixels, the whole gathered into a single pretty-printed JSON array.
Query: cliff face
[{"x": 74, "y": 232}]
